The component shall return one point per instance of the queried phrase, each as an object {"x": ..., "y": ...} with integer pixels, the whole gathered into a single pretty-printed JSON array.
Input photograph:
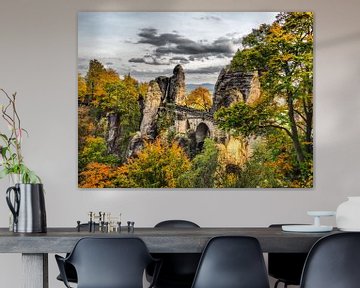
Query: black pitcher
[{"x": 28, "y": 207}]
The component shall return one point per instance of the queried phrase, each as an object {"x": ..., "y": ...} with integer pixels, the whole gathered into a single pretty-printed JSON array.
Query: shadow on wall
[{"x": 339, "y": 40}]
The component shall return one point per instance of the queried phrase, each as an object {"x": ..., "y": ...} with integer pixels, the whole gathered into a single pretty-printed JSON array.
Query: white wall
[{"x": 38, "y": 54}]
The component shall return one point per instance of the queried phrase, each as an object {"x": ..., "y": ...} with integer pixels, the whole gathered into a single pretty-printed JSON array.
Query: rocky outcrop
[
  {"x": 135, "y": 145},
  {"x": 173, "y": 88},
  {"x": 254, "y": 93},
  {"x": 232, "y": 87},
  {"x": 113, "y": 120},
  {"x": 150, "y": 112},
  {"x": 163, "y": 83},
  {"x": 177, "y": 86},
  {"x": 162, "y": 92}
]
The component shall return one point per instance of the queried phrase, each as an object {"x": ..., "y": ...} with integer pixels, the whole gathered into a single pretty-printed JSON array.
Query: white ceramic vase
[{"x": 348, "y": 215}]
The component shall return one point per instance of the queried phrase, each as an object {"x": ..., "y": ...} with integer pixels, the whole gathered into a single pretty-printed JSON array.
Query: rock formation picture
[{"x": 195, "y": 100}]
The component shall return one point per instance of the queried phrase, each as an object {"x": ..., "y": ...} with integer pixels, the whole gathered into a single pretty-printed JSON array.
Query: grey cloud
[
  {"x": 198, "y": 49},
  {"x": 150, "y": 60},
  {"x": 182, "y": 60},
  {"x": 147, "y": 32},
  {"x": 150, "y": 75},
  {"x": 204, "y": 70},
  {"x": 151, "y": 36},
  {"x": 165, "y": 72},
  {"x": 173, "y": 43},
  {"x": 137, "y": 60}
]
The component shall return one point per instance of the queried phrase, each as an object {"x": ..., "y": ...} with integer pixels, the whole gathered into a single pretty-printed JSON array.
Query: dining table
[{"x": 35, "y": 247}]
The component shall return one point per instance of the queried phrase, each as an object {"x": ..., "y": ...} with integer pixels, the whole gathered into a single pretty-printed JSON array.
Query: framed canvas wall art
[{"x": 195, "y": 100}]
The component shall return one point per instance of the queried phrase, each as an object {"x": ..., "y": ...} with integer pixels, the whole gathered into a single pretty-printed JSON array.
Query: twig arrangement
[{"x": 12, "y": 160}]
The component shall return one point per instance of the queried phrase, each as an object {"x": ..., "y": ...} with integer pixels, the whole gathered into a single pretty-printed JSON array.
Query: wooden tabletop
[{"x": 158, "y": 240}]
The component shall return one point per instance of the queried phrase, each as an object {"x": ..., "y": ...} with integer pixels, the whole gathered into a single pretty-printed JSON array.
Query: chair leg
[{"x": 278, "y": 282}]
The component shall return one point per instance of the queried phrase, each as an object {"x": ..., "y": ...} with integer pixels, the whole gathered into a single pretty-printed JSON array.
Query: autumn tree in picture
[
  {"x": 199, "y": 98},
  {"x": 283, "y": 55}
]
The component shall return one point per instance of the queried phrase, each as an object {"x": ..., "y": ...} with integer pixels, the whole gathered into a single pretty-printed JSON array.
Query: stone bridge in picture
[
  {"x": 191, "y": 126},
  {"x": 200, "y": 122}
]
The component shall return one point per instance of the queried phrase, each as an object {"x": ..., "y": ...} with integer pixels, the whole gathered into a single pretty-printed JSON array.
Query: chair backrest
[
  {"x": 333, "y": 262},
  {"x": 178, "y": 269},
  {"x": 110, "y": 262},
  {"x": 286, "y": 266},
  {"x": 232, "y": 262},
  {"x": 176, "y": 224}
]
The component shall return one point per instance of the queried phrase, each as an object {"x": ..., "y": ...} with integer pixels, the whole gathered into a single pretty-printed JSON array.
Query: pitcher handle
[{"x": 13, "y": 208}]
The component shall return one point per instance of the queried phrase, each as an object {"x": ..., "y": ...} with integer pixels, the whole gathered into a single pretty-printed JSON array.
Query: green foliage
[
  {"x": 12, "y": 161},
  {"x": 95, "y": 150},
  {"x": 108, "y": 95},
  {"x": 257, "y": 173},
  {"x": 268, "y": 166},
  {"x": 249, "y": 59},
  {"x": 157, "y": 165},
  {"x": 166, "y": 119},
  {"x": 93, "y": 76},
  {"x": 98, "y": 79},
  {"x": 122, "y": 99},
  {"x": 245, "y": 120},
  {"x": 273, "y": 164},
  {"x": 203, "y": 168},
  {"x": 26, "y": 175},
  {"x": 283, "y": 55}
]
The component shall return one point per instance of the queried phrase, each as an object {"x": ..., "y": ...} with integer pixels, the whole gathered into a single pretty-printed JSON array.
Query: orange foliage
[
  {"x": 86, "y": 125},
  {"x": 199, "y": 98},
  {"x": 97, "y": 175}
]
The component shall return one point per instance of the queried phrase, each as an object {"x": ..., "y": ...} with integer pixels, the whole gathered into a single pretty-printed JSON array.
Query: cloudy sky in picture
[{"x": 150, "y": 44}]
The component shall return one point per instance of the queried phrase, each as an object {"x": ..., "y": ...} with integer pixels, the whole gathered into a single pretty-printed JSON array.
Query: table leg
[{"x": 35, "y": 270}]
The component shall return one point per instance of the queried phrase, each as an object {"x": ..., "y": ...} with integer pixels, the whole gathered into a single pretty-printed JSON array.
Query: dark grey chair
[
  {"x": 232, "y": 262},
  {"x": 286, "y": 267},
  {"x": 333, "y": 262},
  {"x": 108, "y": 263},
  {"x": 178, "y": 269},
  {"x": 69, "y": 269}
]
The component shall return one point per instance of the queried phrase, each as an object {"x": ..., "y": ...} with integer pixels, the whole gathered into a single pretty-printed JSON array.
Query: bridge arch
[{"x": 202, "y": 131}]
